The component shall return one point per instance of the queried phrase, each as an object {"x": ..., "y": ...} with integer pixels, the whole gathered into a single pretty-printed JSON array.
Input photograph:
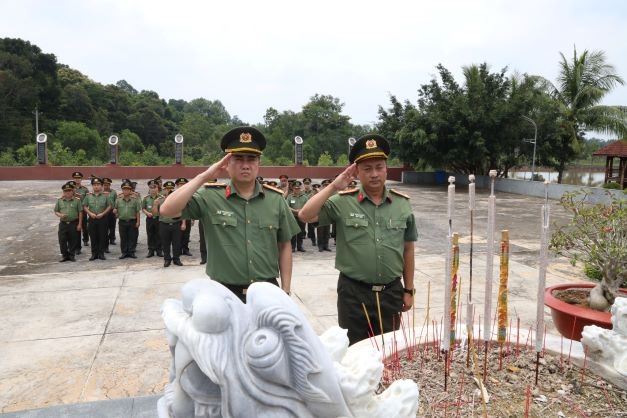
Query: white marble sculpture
[
  {"x": 609, "y": 347},
  {"x": 262, "y": 359}
]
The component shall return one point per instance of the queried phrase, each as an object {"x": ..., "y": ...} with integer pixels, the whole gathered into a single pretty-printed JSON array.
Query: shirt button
[
  {"x": 249, "y": 241},
  {"x": 248, "y": 221}
]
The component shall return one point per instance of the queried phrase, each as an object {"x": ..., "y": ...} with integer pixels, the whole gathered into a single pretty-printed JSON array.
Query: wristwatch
[{"x": 409, "y": 291}]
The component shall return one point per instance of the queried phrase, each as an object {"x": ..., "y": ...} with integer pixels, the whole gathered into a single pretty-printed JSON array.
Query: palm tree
[{"x": 581, "y": 85}]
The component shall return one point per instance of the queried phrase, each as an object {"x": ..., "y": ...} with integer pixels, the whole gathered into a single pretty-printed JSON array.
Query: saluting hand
[
  {"x": 342, "y": 181},
  {"x": 218, "y": 169}
]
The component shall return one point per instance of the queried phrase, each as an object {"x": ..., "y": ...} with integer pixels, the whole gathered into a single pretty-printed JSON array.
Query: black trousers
[
  {"x": 98, "y": 229},
  {"x": 111, "y": 226},
  {"x": 311, "y": 231},
  {"x": 68, "y": 235},
  {"x": 152, "y": 232},
  {"x": 170, "y": 239},
  {"x": 297, "y": 240},
  {"x": 128, "y": 236},
  {"x": 85, "y": 227},
  {"x": 203, "y": 244},
  {"x": 240, "y": 290},
  {"x": 353, "y": 295},
  {"x": 185, "y": 235},
  {"x": 324, "y": 232}
]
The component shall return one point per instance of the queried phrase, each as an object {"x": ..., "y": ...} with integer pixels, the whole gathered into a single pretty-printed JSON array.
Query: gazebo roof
[{"x": 615, "y": 149}]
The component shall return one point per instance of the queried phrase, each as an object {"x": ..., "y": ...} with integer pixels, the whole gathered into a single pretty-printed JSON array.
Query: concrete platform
[{"x": 87, "y": 339}]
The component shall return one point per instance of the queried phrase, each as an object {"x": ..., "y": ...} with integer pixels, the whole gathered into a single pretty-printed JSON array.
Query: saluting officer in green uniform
[
  {"x": 152, "y": 221},
  {"x": 249, "y": 225},
  {"x": 375, "y": 238},
  {"x": 70, "y": 213},
  {"x": 97, "y": 206},
  {"x": 296, "y": 200},
  {"x": 127, "y": 210}
]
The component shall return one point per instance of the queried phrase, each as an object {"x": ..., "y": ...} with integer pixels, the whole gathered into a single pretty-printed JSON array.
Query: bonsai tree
[{"x": 597, "y": 236}]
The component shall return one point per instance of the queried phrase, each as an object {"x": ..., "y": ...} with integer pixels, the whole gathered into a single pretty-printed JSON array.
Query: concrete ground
[{"x": 73, "y": 333}]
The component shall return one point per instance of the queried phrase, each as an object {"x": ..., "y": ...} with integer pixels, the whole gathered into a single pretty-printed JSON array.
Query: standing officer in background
[
  {"x": 127, "y": 209},
  {"x": 248, "y": 224},
  {"x": 97, "y": 206},
  {"x": 188, "y": 222},
  {"x": 311, "y": 226},
  {"x": 376, "y": 231},
  {"x": 170, "y": 229},
  {"x": 324, "y": 232},
  {"x": 70, "y": 213},
  {"x": 106, "y": 190},
  {"x": 295, "y": 201},
  {"x": 152, "y": 221},
  {"x": 81, "y": 191}
]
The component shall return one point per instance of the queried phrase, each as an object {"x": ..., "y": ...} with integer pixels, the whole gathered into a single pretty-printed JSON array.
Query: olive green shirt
[
  {"x": 113, "y": 196},
  {"x": 82, "y": 191},
  {"x": 244, "y": 233},
  {"x": 296, "y": 202},
  {"x": 96, "y": 203},
  {"x": 127, "y": 209},
  {"x": 69, "y": 207},
  {"x": 164, "y": 219},
  {"x": 148, "y": 202},
  {"x": 370, "y": 239}
]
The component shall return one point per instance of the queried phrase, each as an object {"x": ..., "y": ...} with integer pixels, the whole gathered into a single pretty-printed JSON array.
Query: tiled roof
[{"x": 615, "y": 149}]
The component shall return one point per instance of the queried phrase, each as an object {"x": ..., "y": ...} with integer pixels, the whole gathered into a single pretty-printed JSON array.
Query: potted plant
[{"x": 597, "y": 236}]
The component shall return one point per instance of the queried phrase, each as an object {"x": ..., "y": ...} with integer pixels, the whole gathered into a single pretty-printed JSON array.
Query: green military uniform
[
  {"x": 127, "y": 212},
  {"x": 297, "y": 202},
  {"x": 81, "y": 192},
  {"x": 98, "y": 228},
  {"x": 67, "y": 233},
  {"x": 170, "y": 233},
  {"x": 152, "y": 224},
  {"x": 247, "y": 231}
]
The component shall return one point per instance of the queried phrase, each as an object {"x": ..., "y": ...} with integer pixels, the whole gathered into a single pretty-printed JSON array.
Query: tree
[{"x": 582, "y": 84}]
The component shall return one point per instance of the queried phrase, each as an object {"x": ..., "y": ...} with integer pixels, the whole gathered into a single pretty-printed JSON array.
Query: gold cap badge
[
  {"x": 371, "y": 143},
  {"x": 245, "y": 138}
]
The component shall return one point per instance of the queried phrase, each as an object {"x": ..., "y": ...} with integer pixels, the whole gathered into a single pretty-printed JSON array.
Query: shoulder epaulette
[
  {"x": 396, "y": 192},
  {"x": 214, "y": 184},
  {"x": 274, "y": 189},
  {"x": 349, "y": 191}
]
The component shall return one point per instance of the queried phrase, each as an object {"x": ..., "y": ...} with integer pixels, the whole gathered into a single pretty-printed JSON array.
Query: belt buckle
[
  {"x": 378, "y": 288},
  {"x": 244, "y": 291}
]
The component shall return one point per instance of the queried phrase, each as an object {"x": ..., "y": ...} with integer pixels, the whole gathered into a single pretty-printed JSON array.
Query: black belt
[
  {"x": 127, "y": 220},
  {"x": 170, "y": 223},
  {"x": 69, "y": 222},
  {"x": 242, "y": 289},
  {"x": 375, "y": 287}
]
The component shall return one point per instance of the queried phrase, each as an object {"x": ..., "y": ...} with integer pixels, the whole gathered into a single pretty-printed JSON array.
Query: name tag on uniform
[
  {"x": 357, "y": 215},
  {"x": 224, "y": 212},
  {"x": 292, "y": 202}
]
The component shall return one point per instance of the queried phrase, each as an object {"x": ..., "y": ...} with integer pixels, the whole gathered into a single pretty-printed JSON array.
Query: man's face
[
  {"x": 372, "y": 173},
  {"x": 283, "y": 182},
  {"x": 296, "y": 190},
  {"x": 106, "y": 187},
  {"x": 77, "y": 181},
  {"x": 153, "y": 189},
  {"x": 97, "y": 188},
  {"x": 243, "y": 168},
  {"x": 127, "y": 192},
  {"x": 68, "y": 194},
  {"x": 307, "y": 187}
]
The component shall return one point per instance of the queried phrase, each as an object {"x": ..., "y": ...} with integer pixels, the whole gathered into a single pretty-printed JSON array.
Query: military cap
[
  {"x": 259, "y": 179},
  {"x": 243, "y": 140},
  {"x": 152, "y": 183},
  {"x": 306, "y": 180},
  {"x": 297, "y": 183},
  {"x": 352, "y": 184},
  {"x": 133, "y": 185},
  {"x": 326, "y": 182},
  {"x": 96, "y": 180},
  {"x": 283, "y": 176},
  {"x": 158, "y": 179},
  {"x": 180, "y": 180},
  {"x": 106, "y": 180},
  {"x": 77, "y": 175},
  {"x": 72, "y": 183},
  {"x": 168, "y": 185},
  {"x": 315, "y": 186},
  {"x": 127, "y": 185},
  {"x": 291, "y": 181},
  {"x": 272, "y": 183},
  {"x": 369, "y": 146},
  {"x": 67, "y": 186}
]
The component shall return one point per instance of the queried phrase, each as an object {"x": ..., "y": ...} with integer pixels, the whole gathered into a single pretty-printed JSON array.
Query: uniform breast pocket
[
  {"x": 356, "y": 230},
  {"x": 395, "y": 228},
  {"x": 225, "y": 221}
]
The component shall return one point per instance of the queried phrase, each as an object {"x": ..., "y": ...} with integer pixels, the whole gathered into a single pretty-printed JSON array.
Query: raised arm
[{"x": 309, "y": 212}]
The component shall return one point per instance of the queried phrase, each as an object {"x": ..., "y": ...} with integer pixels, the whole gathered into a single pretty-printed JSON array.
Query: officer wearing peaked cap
[
  {"x": 70, "y": 213},
  {"x": 375, "y": 238},
  {"x": 127, "y": 210},
  {"x": 152, "y": 221},
  {"x": 81, "y": 191},
  {"x": 169, "y": 228},
  {"x": 111, "y": 219},
  {"x": 186, "y": 224},
  {"x": 243, "y": 220},
  {"x": 97, "y": 206}
]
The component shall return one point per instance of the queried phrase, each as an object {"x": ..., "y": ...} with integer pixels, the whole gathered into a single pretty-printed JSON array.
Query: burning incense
[
  {"x": 487, "y": 313},
  {"x": 454, "y": 271},
  {"x": 502, "y": 299}
]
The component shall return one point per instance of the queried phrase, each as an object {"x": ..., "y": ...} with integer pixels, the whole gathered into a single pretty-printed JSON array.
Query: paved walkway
[{"x": 73, "y": 333}]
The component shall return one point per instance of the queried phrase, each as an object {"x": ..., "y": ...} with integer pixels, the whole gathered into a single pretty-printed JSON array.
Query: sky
[{"x": 253, "y": 55}]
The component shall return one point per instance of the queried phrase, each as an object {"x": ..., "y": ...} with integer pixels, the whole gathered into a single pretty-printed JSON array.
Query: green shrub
[
  {"x": 612, "y": 185},
  {"x": 592, "y": 272}
]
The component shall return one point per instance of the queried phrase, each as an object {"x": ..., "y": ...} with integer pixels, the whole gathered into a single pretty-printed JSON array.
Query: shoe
[
  {"x": 186, "y": 252},
  {"x": 93, "y": 257},
  {"x": 77, "y": 252},
  {"x": 301, "y": 249},
  {"x": 177, "y": 262},
  {"x": 203, "y": 262},
  {"x": 151, "y": 253},
  {"x": 327, "y": 249},
  {"x": 132, "y": 255},
  {"x": 313, "y": 242},
  {"x": 101, "y": 257},
  {"x": 107, "y": 250},
  {"x": 64, "y": 259},
  {"x": 320, "y": 249},
  {"x": 123, "y": 256},
  {"x": 72, "y": 258},
  {"x": 112, "y": 242},
  {"x": 167, "y": 263},
  {"x": 159, "y": 253},
  {"x": 85, "y": 243}
]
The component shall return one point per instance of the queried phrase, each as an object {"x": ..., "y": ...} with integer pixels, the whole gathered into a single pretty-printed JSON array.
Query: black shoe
[
  {"x": 132, "y": 255},
  {"x": 112, "y": 242},
  {"x": 320, "y": 249},
  {"x": 101, "y": 257},
  {"x": 186, "y": 252},
  {"x": 313, "y": 242},
  {"x": 123, "y": 256},
  {"x": 159, "y": 253},
  {"x": 85, "y": 243},
  {"x": 77, "y": 252},
  {"x": 151, "y": 253},
  {"x": 177, "y": 262},
  {"x": 72, "y": 258},
  {"x": 64, "y": 259},
  {"x": 327, "y": 249},
  {"x": 301, "y": 249},
  {"x": 107, "y": 250},
  {"x": 203, "y": 262},
  {"x": 167, "y": 263},
  {"x": 93, "y": 257}
]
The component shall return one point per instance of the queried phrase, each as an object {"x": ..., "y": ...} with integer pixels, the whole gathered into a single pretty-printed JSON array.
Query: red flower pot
[{"x": 570, "y": 319}]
